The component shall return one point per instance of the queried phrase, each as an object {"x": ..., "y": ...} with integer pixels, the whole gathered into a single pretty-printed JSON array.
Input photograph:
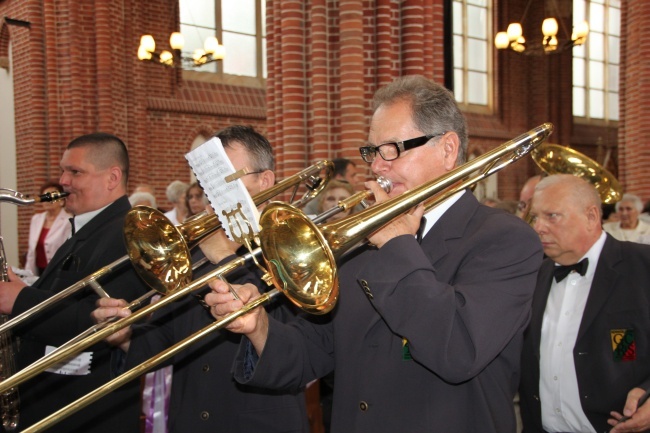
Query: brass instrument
[
  {"x": 102, "y": 330},
  {"x": 556, "y": 159},
  {"x": 305, "y": 271},
  {"x": 11, "y": 196},
  {"x": 9, "y": 399},
  {"x": 159, "y": 251}
]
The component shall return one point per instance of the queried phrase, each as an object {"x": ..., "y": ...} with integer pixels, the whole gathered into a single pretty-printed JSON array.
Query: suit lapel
[
  {"x": 451, "y": 225},
  {"x": 56, "y": 262},
  {"x": 540, "y": 297},
  {"x": 603, "y": 284},
  {"x": 117, "y": 208}
]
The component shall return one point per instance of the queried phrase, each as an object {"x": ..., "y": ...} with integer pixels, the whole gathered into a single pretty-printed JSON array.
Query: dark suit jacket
[
  {"x": 204, "y": 395},
  {"x": 461, "y": 299},
  {"x": 98, "y": 243},
  {"x": 619, "y": 299}
]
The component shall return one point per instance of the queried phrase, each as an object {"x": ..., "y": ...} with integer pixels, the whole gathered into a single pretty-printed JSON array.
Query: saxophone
[{"x": 9, "y": 400}]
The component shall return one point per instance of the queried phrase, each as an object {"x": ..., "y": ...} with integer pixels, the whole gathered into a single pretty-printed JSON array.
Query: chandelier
[
  {"x": 211, "y": 52},
  {"x": 513, "y": 37}
]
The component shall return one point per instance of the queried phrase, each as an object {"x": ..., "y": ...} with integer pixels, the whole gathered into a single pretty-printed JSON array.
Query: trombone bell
[
  {"x": 157, "y": 249},
  {"x": 299, "y": 266}
]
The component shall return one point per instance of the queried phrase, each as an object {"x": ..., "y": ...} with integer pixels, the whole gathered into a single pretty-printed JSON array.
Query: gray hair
[
  {"x": 635, "y": 199},
  {"x": 138, "y": 197},
  {"x": 176, "y": 191},
  {"x": 433, "y": 107},
  {"x": 580, "y": 191}
]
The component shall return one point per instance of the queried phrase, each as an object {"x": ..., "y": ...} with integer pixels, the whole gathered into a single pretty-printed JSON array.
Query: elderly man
[
  {"x": 629, "y": 227},
  {"x": 204, "y": 397},
  {"x": 425, "y": 336},
  {"x": 585, "y": 358},
  {"x": 95, "y": 169}
]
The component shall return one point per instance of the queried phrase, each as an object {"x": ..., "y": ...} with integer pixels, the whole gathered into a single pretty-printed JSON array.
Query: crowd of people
[{"x": 444, "y": 317}]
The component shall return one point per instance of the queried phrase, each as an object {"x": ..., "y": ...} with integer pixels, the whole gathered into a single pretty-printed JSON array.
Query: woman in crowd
[
  {"x": 195, "y": 199},
  {"x": 629, "y": 227},
  {"x": 176, "y": 192},
  {"x": 47, "y": 232},
  {"x": 334, "y": 192}
]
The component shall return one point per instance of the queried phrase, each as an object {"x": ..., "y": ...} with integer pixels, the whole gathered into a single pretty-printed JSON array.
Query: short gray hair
[
  {"x": 638, "y": 204},
  {"x": 137, "y": 197},
  {"x": 433, "y": 107},
  {"x": 176, "y": 191},
  {"x": 579, "y": 190}
]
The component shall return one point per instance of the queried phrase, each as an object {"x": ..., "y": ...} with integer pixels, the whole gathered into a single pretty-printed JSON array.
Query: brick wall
[
  {"x": 634, "y": 129},
  {"x": 76, "y": 71}
]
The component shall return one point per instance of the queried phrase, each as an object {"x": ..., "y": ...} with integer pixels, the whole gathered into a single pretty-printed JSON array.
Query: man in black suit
[
  {"x": 95, "y": 170},
  {"x": 586, "y": 354},
  {"x": 425, "y": 336},
  {"x": 204, "y": 396}
]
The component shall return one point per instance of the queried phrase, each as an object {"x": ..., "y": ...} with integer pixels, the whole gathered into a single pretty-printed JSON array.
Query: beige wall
[{"x": 8, "y": 211}]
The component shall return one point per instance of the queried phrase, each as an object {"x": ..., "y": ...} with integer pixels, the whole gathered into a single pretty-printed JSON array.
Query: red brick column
[
  {"x": 634, "y": 128},
  {"x": 321, "y": 94},
  {"x": 353, "y": 101}
]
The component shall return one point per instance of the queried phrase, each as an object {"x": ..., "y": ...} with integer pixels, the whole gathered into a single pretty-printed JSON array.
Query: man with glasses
[
  {"x": 426, "y": 336},
  {"x": 526, "y": 196}
]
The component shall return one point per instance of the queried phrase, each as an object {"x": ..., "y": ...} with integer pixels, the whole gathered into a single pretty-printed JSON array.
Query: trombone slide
[{"x": 140, "y": 369}]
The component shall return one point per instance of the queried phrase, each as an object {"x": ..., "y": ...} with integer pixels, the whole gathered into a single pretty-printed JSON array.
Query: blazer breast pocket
[{"x": 628, "y": 334}]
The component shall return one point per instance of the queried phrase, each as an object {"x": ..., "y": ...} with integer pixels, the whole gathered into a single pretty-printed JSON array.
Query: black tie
[
  {"x": 418, "y": 235},
  {"x": 72, "y": 224},
  {"x": 560, "y": 272}
]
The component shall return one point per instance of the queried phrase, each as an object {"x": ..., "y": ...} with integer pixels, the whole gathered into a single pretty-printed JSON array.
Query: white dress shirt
[
  {"x": 84, "y": 218},
  {"x": 434, "y": 214},
  {"x": 558, "y": 381}
]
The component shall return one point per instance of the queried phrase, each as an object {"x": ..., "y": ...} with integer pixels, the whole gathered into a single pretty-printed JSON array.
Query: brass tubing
[
  {"x": 64, "y": 353},
  {"x": 62, "y": 294},
  {"x": 140, "y": 369}
]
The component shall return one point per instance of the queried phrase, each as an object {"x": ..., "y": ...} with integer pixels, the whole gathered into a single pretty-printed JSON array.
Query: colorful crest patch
[{"x": 623, "y": 344}]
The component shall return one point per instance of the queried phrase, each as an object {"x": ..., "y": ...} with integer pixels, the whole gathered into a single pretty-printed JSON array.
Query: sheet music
[{"x": 231, "y": 201}]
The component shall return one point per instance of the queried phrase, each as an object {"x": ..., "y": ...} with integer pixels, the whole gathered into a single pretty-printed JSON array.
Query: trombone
[
  {"x": 98, "y": 332},
  {"x": 306, "y": 272},
  {"x": 344, "y": 205},
  {"x": 146, "y": 228}
]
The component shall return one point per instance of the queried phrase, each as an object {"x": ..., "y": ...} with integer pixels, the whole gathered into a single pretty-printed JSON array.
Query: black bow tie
[{"x": 560, "y": 272}]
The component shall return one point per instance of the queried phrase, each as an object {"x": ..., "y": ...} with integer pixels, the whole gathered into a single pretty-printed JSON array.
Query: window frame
[
  {"x": 606, "y": 62},
  {"x": 465, "y": 69},
  {"x": 221, "y": 77}
]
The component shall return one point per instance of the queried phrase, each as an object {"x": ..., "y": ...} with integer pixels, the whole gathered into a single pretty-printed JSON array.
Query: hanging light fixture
[
  {"x": 513, "y": 37},
  {"x": 211, "y": 52}
]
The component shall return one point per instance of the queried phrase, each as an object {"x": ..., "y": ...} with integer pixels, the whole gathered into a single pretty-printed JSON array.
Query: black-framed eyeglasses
[{"x": 392, "y": 151}]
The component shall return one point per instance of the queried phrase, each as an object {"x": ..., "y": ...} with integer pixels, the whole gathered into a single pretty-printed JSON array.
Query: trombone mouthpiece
[{"x": 385, "y": 184}]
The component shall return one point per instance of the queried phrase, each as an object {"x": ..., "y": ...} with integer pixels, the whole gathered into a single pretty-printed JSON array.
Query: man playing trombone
[
  {"x": 426, "y": 336},
  {"x": 204, "y": 396},
  {"x": 95, "y": 170}
]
